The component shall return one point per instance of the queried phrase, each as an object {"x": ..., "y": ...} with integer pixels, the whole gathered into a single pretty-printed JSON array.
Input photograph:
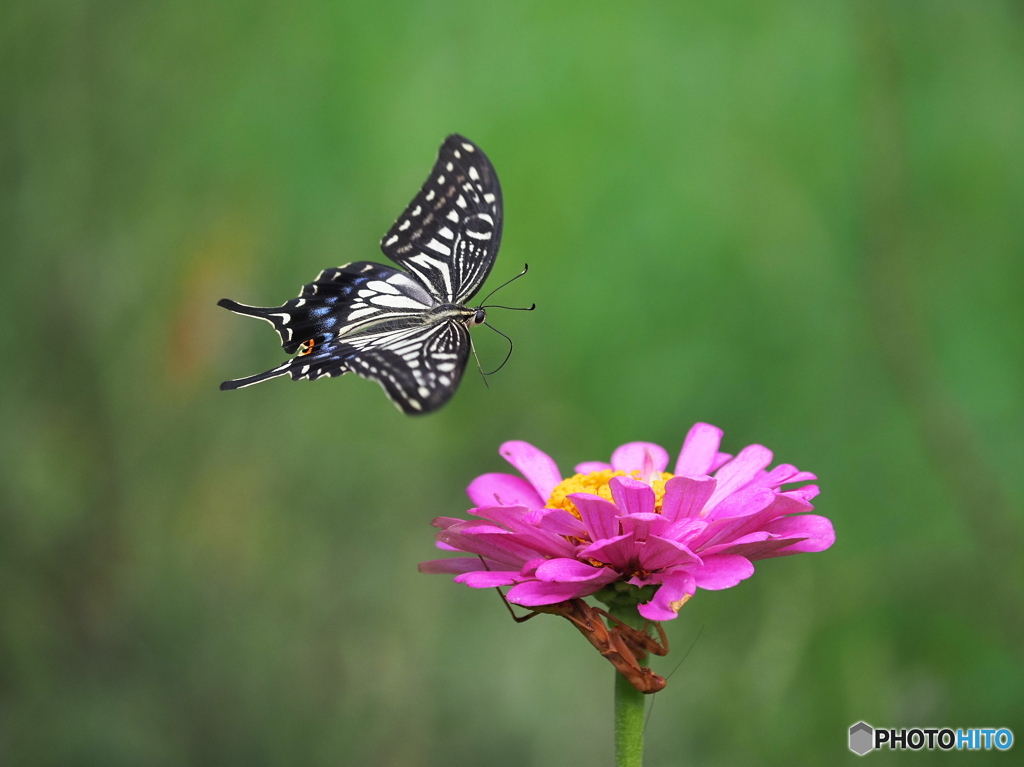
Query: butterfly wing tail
[
  {"x": 241, "y": 383},
  {"x": 330, "y": 359},
  {"x": 237, "y": 308},
  {"x": 279, "y": 317}
]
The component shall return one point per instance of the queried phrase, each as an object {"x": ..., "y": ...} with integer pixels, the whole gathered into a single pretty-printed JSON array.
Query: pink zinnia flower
[{"x": 553, "y": 539}]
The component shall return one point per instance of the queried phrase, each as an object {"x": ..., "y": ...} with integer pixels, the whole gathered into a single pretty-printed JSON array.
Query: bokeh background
[{"x": 799, "y": 220}]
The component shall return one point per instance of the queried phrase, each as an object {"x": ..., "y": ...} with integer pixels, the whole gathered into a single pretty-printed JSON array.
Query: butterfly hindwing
[
  {"x": 419, "y": 366},
  {"x": 449, "y": 234},
  {"x": 341, "y": 301},
  {"x": 419, "y": 369}
]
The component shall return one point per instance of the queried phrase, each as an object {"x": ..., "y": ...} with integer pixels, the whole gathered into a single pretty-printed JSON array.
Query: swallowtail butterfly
[{"x": 406, "y": 328}]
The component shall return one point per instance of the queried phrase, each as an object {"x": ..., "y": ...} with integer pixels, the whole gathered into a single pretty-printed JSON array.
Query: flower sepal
[{"x": 622, "y": 595}]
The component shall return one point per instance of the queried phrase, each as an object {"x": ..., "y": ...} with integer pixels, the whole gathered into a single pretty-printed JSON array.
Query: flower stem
[
  {"x": 629, "y": 706},
  {"x": 629, "y": 724}
]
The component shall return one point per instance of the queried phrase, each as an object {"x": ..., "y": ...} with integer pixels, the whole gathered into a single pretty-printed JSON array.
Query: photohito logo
[{"x": 864, "y": 738}]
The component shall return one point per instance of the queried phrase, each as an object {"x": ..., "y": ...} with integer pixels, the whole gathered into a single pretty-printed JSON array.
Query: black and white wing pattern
[
  {"x": 448, "y": 236},
  {"x": 342, "y": 302},
  {"x": 406, "y": 329},
  {"x": 418, "y": 366}
]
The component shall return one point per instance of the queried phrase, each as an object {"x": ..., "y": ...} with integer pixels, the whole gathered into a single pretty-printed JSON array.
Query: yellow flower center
[{"x": 596, "y": 483}]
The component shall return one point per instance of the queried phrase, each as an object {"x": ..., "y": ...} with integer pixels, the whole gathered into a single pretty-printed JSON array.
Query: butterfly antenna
[
  {"x": 479, "y": 367},
  {"x": 526, "y": 268},
  {"x": 529, "y": 308},
  {"x": 507, "y": 356}
]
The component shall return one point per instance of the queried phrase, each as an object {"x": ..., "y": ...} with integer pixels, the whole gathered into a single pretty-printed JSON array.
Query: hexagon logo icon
[{"x": 862, "y": 737}]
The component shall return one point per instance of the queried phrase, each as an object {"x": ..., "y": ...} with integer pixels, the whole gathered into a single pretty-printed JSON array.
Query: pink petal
[
  {"x": 472, "y": 526},
  {"x": 568, "y": 570},
  {"x": 739, "y": 471},
  {"x": 699, "y": 450},
  {"x": 729, "y": 529},
  {"x": 619, "y": 552},
  {"x": 631, "y": 456},
  {"x": 776, "y": 476},
  {"x": 684, "y": 529},
  {"x": 540, "y": 593},
  {"x": 561, "y": 522},
  {"x": 632, "y": 496},
  {"x": 505, "y": 548},
  {"x": 720, "y": 460},
  {"x": 742, "y": 503},
  {"x": 807, "y": 492},
  {"x": 758, "y": 549},
  {"x": 503, "y": 490},
  {"x": 737, "y": 545},
  {"x": 721, "y": 571},
  {"x": 489, "y": 579},
  {"x": 817, "y": 532},
  {"x": 451, "y": 565},
  {"x": 601, "y": 517},
  {"x": 660, "y": 554},
  {"x": 665, "y": 604},
  {"x": 801, "y": 476},
  {"x": 639, "y": 525},
  {"x": 686, "y": 496},
  {"x": 589, "y": 467},
  {"x": 537, "y": 466},
  {"x": 783, "y": 474},
  {"x": 505, "y": 517},
  {"x": 530, "y": 567},
  {"x": 538, "y": 538}
]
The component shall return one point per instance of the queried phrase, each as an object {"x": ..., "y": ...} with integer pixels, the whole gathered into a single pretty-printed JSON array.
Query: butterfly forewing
[{"x": 449, "y": 234}]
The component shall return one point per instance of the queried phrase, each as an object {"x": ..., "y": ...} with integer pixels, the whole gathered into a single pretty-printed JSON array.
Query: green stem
[{"x": 629, "y": 706}]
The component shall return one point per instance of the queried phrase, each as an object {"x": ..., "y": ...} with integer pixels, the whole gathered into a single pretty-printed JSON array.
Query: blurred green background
[{"x": 799, "y": 220}]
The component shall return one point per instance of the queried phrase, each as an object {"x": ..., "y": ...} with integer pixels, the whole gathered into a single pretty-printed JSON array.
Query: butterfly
[{"x": 406, "y": 328}]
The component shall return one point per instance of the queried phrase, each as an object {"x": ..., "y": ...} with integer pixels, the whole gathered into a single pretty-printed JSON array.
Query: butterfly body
[{"x": 406, "y": 328}]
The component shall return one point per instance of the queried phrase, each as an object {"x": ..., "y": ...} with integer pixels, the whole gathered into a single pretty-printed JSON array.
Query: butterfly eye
[{"x": 479, "y": 317}]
